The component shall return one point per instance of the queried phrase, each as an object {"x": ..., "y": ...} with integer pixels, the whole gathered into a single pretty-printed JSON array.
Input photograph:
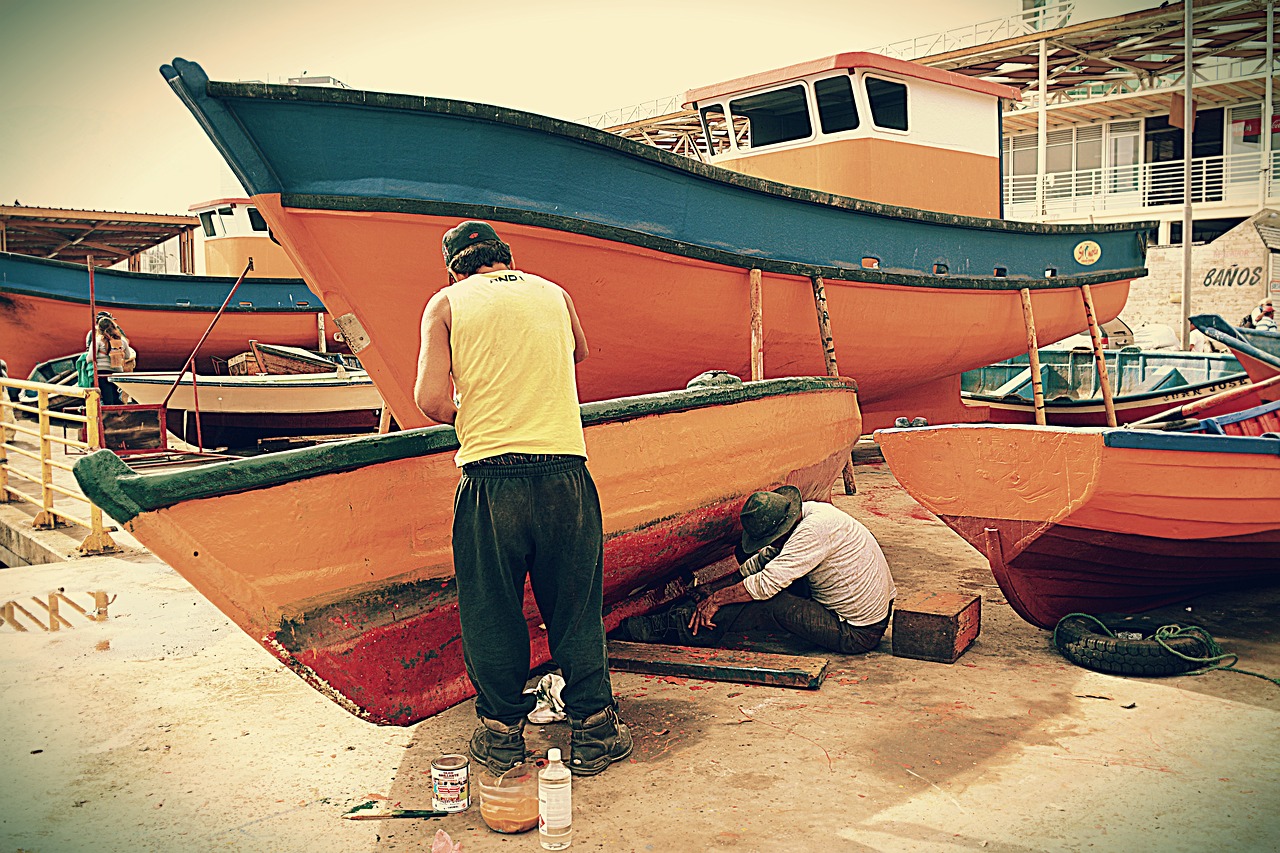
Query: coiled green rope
[{"x": 1214, "y": 659}]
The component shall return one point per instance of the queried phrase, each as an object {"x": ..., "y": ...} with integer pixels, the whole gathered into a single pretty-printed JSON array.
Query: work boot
[
  {"x": 498, "y": 746},
  {"x": 597, "y": 742},
  {"x": 653, "y": 627}
]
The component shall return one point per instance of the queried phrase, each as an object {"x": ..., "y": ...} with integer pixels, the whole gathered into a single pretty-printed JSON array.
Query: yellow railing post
[
  {"x": 5, "y": 409},
  {"x": 45, "y": 518},
  {"x": 98, "y": 541}
]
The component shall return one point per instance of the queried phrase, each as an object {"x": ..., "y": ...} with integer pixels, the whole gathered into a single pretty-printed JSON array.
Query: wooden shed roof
[{"x": 73, "y": 235}]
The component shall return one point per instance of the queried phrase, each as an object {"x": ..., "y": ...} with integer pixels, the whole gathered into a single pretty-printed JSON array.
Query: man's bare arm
[
  {"x": 580, "y": 350},
  {"x": 433, "y": 390}
]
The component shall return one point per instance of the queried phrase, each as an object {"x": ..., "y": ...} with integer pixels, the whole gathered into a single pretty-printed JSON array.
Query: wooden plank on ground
[{"x": 718, "y": 664}]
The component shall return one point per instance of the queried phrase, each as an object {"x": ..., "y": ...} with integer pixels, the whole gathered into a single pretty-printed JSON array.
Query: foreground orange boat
[
  {"x": 657, "y": 250},
  {"x": 1102, "y": 520},
  {"x": 337, "y": 558}
]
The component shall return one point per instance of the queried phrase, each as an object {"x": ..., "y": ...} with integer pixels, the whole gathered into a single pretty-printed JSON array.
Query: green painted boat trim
[
  {"x": 702, "y": 253},
  {"x": 123, "y": 494},
  {"x": 558, "y": 127}
]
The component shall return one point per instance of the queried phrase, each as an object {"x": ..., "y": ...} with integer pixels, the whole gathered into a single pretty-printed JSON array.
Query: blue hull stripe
[
  {"x": 331, "y": 143},
  {"x": 67, "y": 282}
]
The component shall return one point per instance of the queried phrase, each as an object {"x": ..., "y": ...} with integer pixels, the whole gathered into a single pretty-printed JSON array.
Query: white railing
[
  {"x": 1049, "y": 17},
  {"x": 635, "y": 112},
  {"x": 1236, "y": 178}
]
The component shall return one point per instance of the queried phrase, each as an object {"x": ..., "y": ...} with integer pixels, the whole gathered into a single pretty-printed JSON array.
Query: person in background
[
  {"x": 112, "y": 353},
  {"x": 507, "y": 341},
  {"x": 849, "y": 595},
  {"x": 1267, "y": 321}
]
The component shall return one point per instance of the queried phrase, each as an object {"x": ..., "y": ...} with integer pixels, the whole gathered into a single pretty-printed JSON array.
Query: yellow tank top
[{"x": 512, "y": 343}]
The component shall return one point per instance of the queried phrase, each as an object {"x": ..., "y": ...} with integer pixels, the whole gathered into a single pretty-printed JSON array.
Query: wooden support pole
[
  {"x": 1099, "y": 358},
  {"x": 829, "y": 355},
  {"x": 1033, "y": 355},
  {"x": 757, "y": 326}
]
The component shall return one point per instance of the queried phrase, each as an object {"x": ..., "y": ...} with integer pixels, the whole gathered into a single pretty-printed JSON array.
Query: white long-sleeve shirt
[{"x": 847, "y": 571}]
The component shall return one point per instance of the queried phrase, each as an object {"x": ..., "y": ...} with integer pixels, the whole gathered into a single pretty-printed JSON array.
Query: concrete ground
[{"x": 165, "y": 728}]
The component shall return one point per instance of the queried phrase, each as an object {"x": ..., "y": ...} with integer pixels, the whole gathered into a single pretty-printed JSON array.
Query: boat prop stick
[
  {"x": 1204, "y": 403},
  {"x": 191, "y": 359},
  {"x": 757, "y": 325},
  {"x": 829, "y": 354},
  {"x": 1033, "y": 355},
  {"x": 1099, "y": 360}
]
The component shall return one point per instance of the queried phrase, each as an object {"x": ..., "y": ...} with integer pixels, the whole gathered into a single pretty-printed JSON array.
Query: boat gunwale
[
  {"x": 1124, "y": 438},
  {"x": 124, "y": 494},
  {"x": 476, "y": 111},
  {"x": 667, "y": 245}
]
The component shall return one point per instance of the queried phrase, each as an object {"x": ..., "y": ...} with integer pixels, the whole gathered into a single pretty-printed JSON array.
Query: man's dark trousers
[{"x": 513, "y": 518}]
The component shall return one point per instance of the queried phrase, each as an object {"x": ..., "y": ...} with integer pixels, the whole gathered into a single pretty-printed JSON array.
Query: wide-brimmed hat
[
  {"x": 466, "y": 234},
  {"x": 768, "y": 515}
]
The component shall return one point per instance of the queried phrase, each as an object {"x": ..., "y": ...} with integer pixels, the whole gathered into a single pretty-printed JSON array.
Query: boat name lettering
[{"x": 1234, "y": 275}]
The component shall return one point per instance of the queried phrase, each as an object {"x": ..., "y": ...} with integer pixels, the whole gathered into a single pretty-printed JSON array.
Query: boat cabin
[
  {"x": 862, "y": 125},
  {"x": 234, "y": 231}
]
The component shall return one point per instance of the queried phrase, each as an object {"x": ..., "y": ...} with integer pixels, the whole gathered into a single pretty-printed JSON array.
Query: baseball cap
[{"x": 466, "y": 234}]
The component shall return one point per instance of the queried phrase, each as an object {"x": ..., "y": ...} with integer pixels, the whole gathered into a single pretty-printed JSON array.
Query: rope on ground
[{"x": 1214, "y": 660}]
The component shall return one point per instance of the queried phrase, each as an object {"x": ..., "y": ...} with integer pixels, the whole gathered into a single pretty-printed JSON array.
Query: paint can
[{"x": 450, "y": 787}]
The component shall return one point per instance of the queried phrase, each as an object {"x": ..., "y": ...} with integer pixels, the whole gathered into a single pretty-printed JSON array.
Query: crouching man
[{"x": 850, "y": 591}]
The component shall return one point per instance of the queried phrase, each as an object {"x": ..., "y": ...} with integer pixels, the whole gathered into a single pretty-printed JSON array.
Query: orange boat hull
[
  {"x": 1097, "y": 520},
  {"x": 654, "y": 319}
]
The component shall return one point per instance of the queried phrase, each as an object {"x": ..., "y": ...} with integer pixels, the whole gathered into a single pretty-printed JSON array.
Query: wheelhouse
[
  {"x": 233, "y": 231},
  {"x": 862, "y": 125}
]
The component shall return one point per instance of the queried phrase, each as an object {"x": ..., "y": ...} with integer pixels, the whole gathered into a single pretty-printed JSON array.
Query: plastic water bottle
[{"x": 555, "y": 803}]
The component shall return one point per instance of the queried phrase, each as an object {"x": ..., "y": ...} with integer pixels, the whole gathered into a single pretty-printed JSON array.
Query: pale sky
[{"x": 87, "y": 122}]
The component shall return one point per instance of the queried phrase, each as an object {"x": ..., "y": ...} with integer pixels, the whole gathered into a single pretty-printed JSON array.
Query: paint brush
[{"x": 393, "y": 813}]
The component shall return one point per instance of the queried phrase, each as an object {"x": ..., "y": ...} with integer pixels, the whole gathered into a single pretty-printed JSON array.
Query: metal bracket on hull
[{"x": 353, "y": 332}]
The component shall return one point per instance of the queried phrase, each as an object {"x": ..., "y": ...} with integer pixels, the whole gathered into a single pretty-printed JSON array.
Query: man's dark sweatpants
[{"x": 540, "y": 518}]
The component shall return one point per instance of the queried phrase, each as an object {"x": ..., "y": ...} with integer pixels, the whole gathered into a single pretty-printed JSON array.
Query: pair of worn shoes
[
  {"x": 672, "y": 623},
  {"x": 594, "y": 743}
]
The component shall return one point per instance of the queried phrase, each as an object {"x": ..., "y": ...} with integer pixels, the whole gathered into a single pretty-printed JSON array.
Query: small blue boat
[{"x": 1143, "y": 383}]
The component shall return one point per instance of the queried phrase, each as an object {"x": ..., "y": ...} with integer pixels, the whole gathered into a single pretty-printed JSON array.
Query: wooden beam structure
[{"x": 74, "y": 235}]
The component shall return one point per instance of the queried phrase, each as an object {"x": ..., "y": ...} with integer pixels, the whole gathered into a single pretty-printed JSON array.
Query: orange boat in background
[
  {"x": 1104, "y": 520},
  {"x": 658, "y": 251},
  {"x": 44, "y": 304}
]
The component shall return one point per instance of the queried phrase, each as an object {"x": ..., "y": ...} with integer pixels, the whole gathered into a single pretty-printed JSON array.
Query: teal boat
[{"x": 1143, "y": 383}]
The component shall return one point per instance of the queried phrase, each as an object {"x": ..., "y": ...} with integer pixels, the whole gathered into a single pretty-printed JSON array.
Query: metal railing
[
  {"x": 1048, "y": 17},
  {"x": 43, "y": 436},
  {"x": 1234, "y": 178}
]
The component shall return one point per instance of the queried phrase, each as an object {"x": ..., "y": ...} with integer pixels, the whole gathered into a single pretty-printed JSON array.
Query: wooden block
[
  {"x": 936, "y": 626},
  {"x": 718, "y": 664}
]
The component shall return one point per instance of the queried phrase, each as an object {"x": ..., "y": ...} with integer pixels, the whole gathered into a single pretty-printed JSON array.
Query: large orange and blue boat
[
  {"x": 1104, "y": 520},
  {"x": 658, "y": 250},
  {"x": 337, "y": 558}
]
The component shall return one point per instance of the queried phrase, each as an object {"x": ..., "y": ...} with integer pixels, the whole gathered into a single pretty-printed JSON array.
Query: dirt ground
[{"x": 165, "y": 728}]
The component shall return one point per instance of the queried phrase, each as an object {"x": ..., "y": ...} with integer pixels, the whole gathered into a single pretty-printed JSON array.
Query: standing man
[
  {"x": 850, "y": 591},
  {"x": 507, "y": 341}
]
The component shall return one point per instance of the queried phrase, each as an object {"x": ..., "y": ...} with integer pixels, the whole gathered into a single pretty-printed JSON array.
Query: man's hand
[{"x": 704, "y": 613}]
